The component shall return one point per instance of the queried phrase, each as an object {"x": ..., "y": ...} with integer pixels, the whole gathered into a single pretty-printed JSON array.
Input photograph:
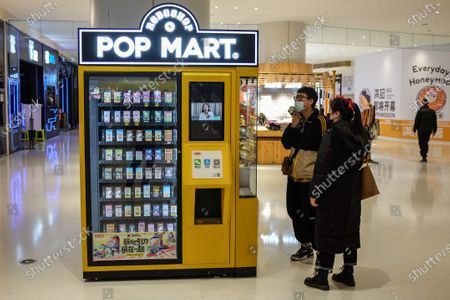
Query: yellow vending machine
[{"x": 168, "y": 116}]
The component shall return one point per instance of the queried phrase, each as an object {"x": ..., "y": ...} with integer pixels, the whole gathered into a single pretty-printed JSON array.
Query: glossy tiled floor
[{"x": 405, "y": 226}]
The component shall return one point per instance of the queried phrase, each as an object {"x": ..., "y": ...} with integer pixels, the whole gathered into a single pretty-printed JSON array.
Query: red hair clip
[{"x": 349, "y": 103}]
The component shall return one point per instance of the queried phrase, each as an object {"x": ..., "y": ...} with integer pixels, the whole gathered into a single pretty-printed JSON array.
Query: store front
[
  {"x": 278, "y": 84},
  {"x": 51, "y": 100},
  {"x": 33, "y": 88},
  {"x": 68, "y": 91}
]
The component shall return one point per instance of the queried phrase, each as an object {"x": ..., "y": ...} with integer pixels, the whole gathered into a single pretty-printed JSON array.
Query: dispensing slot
[{"x": 208, "y": 206}]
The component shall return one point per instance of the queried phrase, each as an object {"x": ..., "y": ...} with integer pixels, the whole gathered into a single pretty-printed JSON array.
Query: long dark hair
[{"x": 350, "y": 112}]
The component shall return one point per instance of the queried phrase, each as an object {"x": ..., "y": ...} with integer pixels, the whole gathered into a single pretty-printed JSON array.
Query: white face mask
[{"x": 299, "y": 106}]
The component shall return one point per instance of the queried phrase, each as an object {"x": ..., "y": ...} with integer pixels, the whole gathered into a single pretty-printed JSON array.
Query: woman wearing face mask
[
  {"x": 336, "y": 193},
  {"x": 304, "y": 133}
]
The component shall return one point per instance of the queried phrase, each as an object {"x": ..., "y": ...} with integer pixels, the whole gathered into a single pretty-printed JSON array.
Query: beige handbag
[{"x": 303, "y": 165}]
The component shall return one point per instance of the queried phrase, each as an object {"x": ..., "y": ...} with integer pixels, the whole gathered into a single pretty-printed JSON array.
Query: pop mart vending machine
[{"x": 168, "y": 149}]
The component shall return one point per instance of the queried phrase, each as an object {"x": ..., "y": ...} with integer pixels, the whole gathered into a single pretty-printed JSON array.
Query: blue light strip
[
  {"x": 63, "y": 97},
  {"x": 67, "y": 97}
]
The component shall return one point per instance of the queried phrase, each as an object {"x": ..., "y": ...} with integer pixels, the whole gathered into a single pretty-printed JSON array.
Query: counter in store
[{"x": 270, "y": 149}]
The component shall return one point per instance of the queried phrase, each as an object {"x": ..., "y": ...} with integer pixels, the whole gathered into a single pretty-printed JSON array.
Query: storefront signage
[
  {"x": 33, "y": 54},
  {"x": 49, "y": 58},
  {"x": 168, "y": 35},
  {"x": 12, "y": 44}
]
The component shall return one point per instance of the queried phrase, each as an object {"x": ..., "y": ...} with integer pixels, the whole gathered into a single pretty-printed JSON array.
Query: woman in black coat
[{"x": 336, "y": 192}]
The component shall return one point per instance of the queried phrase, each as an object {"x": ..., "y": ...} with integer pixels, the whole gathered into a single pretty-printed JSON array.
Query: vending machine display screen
[{"x": 206, "y": 111}]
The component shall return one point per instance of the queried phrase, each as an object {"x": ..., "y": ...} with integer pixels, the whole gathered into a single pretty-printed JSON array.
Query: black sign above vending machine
[{"x": 169, "y": 35}]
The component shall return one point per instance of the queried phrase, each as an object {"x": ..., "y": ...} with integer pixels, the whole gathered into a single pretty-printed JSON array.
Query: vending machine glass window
[
  {"x": 133, "y": 165},
  {"x": 248, "y": 138}
]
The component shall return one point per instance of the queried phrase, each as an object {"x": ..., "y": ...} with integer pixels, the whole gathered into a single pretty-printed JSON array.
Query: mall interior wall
[{"x": 396, "y": 82}]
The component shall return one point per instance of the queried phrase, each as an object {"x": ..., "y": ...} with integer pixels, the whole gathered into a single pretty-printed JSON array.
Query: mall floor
[{"x": 401, "y": 229}]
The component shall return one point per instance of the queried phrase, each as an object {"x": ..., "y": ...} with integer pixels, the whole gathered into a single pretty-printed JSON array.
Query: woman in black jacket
[{"x": 336, "y": 192}]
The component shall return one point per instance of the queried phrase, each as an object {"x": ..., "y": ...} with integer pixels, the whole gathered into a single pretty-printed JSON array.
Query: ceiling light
[
  {"x": 221, "y": 23},
  {"x": 379, "y": 50},
  {"x": 216, "y": 7},
  {"x": 415, "y": 45},
  {"x": 437, "y": 11},
  {"x": 238, "y": 23},
  {"x": 376, "y": 37},
  {"x": 363, "y": 36},
  {"x": 236, "y": 7},
  {"x": 255, "y": 8},
  {"x": 353, "y": 44}
]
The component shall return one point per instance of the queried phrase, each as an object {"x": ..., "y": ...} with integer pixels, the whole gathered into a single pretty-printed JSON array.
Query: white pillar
[
  {"x": 128, "y": 13},
  {"x": 281, "y": 42}
]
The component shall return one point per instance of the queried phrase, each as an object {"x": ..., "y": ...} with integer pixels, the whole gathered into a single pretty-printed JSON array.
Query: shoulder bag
[{"x": 369, "y": 186}]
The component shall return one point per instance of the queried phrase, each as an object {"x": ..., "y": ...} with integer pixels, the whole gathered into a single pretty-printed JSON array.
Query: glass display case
[
  {"x": 133, "y": 163},
  {"x": 247, "y": 134}
]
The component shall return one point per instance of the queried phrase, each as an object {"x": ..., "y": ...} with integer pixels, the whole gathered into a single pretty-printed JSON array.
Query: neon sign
[
  {"x": 168, "y": 35},
  {"x": 50, "y": 126},
  {"x": 12, "y": 44},
  {"x": 49, "y": 58},
  {"x": 33, "y": 54}
]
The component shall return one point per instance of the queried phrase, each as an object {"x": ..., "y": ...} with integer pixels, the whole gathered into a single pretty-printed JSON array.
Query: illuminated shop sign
[
  {"x": 12, "y": 44},
  {"x": 49, "y": 58},
  {"x": 168, "y": 35},
  {"x": 33, "y": 54}
]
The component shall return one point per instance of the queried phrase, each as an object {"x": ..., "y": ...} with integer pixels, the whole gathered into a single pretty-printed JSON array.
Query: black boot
[
  {"x": 319, "y": 281},
  {"x": 345, "y": 277}
]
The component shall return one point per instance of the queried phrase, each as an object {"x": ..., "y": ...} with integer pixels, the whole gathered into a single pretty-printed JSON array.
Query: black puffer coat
[{"x": 336, "y": 185}]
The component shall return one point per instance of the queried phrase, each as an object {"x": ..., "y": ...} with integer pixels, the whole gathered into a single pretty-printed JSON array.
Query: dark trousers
[
  {"x": 300, "y": 210},
  {"x": 326, "y": 260},
  {"x": 424, "y": 139}
]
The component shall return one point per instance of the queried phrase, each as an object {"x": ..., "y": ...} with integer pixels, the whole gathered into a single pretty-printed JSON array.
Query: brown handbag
[{"x": 369, "y": 186}]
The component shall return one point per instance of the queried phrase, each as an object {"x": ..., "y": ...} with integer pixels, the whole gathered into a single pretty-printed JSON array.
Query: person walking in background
[
  {"x": 426, "y": 125},
  {"x": 305, "y": 132},
  {"x": 336, "y": 193}
]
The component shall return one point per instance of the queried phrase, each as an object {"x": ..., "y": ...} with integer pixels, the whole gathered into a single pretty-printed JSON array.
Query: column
[
  {"x": 282, "y": 42},
  {"x": 128, "y": 13}
]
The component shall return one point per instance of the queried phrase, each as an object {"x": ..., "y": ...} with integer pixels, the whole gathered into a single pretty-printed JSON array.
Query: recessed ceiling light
[
  {"x": 256, "y": 8},
  {"x": 221, "y": 23},
  {"x": 353, "y": 44},
  {"x": 363, "y": 36},
  {"x": 379, "y": 50},
  {"x": 238, "y": 23},
  {"x": 236, "y": 7},
  {"x": 216, "y": 7},
  {"x": 437, "y": 11}
]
